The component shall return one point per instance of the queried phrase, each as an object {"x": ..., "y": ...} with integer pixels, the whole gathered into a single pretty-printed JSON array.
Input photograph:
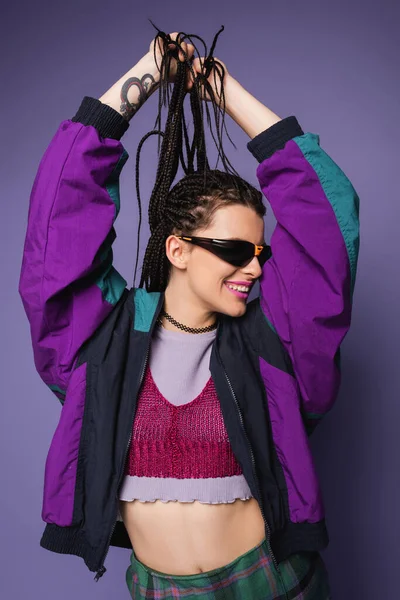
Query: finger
[
  {"x": 190, "y": 75},
  {"x": 174, "y": 37},
  {"x": 197, "y": 65},
  {"x": 181, "y": 55},
  {"x": 190, "y": 51}
]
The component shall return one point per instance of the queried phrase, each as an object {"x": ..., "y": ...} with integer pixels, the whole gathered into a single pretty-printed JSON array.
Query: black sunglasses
[{"x": 238, "y": 253}]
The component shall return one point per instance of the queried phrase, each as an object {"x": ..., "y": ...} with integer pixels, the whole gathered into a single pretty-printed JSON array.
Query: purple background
[{"x": 333, "y": 66}]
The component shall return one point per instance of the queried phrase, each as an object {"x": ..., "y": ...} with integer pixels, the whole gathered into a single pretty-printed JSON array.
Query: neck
[{"x": 185, "y": 308}]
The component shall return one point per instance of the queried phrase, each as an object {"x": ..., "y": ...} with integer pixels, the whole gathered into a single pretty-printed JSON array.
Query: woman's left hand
[{"x": 214, "y": 78}]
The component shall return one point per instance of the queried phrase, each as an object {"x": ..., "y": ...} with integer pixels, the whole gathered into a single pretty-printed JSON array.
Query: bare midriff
[{"x": 186, "y": 538}]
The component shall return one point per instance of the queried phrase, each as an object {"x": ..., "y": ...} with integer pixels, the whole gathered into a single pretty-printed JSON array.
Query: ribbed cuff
[
  {"x": 108, "y": 122},
  {"x": 299, "y": 537},
  {"x": 70, "y": 540},
  {"x": 274, "y": 138}
]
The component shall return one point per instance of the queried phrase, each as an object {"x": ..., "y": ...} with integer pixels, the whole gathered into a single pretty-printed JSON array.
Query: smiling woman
[
  {"x": 194, "y": 407},
  {"x": 185, "y": 502}
]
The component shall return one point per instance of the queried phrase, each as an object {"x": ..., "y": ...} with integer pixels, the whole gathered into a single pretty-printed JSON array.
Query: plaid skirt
[{"x": 251, "y": 576}]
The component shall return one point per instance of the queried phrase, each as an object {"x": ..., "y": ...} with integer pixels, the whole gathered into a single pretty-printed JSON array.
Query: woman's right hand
[{"x": 188, "y": 49}]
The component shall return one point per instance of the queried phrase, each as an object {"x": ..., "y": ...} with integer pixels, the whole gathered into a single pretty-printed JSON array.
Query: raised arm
[
  {"x": 68, "y": 284},
  {"x": 306, "y": 288}
]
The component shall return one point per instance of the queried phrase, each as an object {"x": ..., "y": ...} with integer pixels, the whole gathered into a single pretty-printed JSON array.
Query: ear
[{"x": 177, "y": 251}]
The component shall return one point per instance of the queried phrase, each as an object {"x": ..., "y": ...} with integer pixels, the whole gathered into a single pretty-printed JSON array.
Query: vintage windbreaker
[{"x": 276, "y": 369}]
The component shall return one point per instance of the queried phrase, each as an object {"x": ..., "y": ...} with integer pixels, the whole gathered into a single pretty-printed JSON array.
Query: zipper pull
[{"x": 100, "y": 573}]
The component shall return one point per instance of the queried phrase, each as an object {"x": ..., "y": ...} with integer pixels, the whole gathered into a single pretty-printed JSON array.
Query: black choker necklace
[{"x": 184, "y": 327}]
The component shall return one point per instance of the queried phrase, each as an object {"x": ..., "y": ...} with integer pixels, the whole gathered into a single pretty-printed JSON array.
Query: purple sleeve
[
  {"x": 68, "y": 284},
  {"x": 306, "y": 287}
]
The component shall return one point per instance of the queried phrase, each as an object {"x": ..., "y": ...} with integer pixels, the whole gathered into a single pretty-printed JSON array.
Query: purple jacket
[{"x": 91, "y": 334}]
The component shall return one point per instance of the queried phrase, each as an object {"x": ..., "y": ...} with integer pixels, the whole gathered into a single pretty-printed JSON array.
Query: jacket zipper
[
  {"x": 254, "y": 473},
  {"x": 102, "y": 569}
]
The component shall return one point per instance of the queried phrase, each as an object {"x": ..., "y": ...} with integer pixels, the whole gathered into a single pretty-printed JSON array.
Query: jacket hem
[
  {"x": 69, "y": 540},
  {"x": 299, "y": 537}
]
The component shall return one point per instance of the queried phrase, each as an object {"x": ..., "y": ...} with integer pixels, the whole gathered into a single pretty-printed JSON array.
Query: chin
[{"x": 237, "y": 311}]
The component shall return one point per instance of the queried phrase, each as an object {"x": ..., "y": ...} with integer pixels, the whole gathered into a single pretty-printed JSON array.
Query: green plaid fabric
[{"x": 252, "y": 576}]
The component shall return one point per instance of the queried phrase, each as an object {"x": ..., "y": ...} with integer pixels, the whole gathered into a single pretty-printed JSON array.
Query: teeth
[{"x": 240, "y": 288}]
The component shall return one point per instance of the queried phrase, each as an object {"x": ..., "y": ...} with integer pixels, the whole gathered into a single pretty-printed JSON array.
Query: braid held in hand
[{"x": 191, "y": 203}]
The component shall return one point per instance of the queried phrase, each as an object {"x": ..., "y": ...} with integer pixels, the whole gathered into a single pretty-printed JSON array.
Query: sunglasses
[{"x": 238, "y": 253}]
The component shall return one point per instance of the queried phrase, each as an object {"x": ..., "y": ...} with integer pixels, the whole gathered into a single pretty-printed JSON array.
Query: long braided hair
[{"x": 190, "y": 205}]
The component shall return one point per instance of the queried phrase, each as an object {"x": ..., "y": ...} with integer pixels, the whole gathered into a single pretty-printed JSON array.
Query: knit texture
[{"x": 179, "y": 441}]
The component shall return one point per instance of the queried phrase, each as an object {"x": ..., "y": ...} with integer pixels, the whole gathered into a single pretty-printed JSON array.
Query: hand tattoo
[{"x": 146, "y": 86}]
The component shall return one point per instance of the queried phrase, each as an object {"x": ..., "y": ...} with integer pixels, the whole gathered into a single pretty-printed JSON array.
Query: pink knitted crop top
[{"x": 179, "y": 448}]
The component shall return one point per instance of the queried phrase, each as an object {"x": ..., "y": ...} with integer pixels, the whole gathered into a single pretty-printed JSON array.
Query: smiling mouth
[{"x": 237, "y": 293}]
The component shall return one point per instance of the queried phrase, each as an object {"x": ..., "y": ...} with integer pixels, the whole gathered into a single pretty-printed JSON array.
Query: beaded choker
[{"x": 185, "y": 327}]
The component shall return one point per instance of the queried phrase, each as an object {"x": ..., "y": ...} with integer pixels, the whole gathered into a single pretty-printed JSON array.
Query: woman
[{"x": 182, "y": 405}]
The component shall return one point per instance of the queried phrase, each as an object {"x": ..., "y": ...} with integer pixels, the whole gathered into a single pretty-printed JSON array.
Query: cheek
[{"x": 209, "y": 275}]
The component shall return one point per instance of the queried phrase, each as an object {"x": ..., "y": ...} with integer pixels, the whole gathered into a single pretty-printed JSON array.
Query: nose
[{"x": 253, "y": 268}]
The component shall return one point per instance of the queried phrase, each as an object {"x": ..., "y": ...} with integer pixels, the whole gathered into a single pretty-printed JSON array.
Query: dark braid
[{"x": 191, "y": 204}]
